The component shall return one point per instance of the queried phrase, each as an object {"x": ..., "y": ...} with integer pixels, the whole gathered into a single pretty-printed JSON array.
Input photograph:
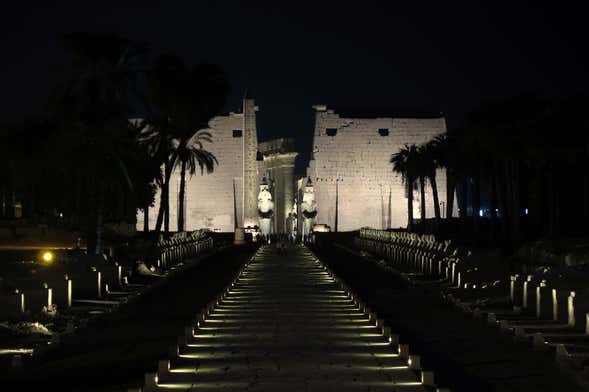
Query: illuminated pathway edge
[{"x": 287, "y": 324}]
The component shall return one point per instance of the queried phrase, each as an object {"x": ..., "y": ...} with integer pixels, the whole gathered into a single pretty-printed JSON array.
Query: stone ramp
[{"x": 286, "y": 324}]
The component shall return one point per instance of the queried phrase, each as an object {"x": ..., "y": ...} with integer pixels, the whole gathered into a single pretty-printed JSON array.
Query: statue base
[{"x": 239, "y": 236}]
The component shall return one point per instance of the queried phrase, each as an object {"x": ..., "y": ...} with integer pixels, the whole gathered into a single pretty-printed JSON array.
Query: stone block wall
[
  {"x": 354, "y": 164},
  {"x": 211, "y": 199}
]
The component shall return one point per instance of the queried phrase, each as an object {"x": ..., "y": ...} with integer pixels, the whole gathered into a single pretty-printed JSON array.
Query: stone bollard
[
  {"x": 525, "y": 293},
  {"x": 163, "y": 369},
  {"x": 393, "y": 339},
  {"x": 503, "y": 326},
  {"x": 571, "y": 309},
  {"x": 519, "y": 332},
  {"x": 554, "y": 305},
  {"x": 49, "y": 298},
  {"x": 427, "y": 378},
  {"x": 512, "y": 280},
  {"x": 403, "y": 351},
  {"x": 17, "y": 361},
  {"x": 119, "y": 275},
  {"x": 380, "y": 325},
  {"x": 150, "y": 382},
  {"x": 99, "y": 284},
  {"x": 538, "y": 341},
  {"x": 173, "y": 351},
  {"x": 543, "y": 301},
  {"x": 454, "y": 272},
  {"x": 22, "y": 303},
  {"x": 69, "y": 293},
  {"x": 491, "y": 318},
  {"x": 414, "y": 362},
  {"x": 561, "y": 352}
]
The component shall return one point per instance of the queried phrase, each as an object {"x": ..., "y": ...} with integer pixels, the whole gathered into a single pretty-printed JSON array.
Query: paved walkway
[{"x": 286, "y": 325}]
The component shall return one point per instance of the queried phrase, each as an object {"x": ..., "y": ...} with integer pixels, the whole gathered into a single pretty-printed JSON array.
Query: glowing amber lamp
[{"x": 47, "y": 257}]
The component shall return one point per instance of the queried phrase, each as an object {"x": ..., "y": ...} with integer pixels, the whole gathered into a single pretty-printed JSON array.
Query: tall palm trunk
[
  {"x": 422, "y": 195},
  {"x": 501, "y": 200},
  {"x": 94, "y": 223},
  {"x": 78, "y": 188},
  {"x": 434, "y": 184},
  {"x": 585, "y": 187},
  {"x": 181, "y": 197},
  {"x": 409, "y": 184},
  {"x": 10, "y": 193},
  {"x": 516, "y": 217},
  {"x": 464, "y": 200},
  {"x": 146, "y": 219},
  {"x": 476, "y": 205},
  {"x": 493, "y": 207},
  {"x": 99, "y": 221},
  {"x": 3, "y": 201},
  {"x": 450, "y": 188},
  {"x": 164, "y": 209}
]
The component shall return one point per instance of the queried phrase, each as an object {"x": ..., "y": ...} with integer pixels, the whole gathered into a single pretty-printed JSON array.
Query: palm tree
[
  {"x": 185, "y": 100},
  {"x": 431, "y": 162},
  {"x": 156, "y": 137},
  {"x": 160, "y": 127},
  {"x": 421, "y": 163},
  {"x": 405, "y": 163},
  {"x": 94, "y": 133},
  {"x": 446, "y": 154},
  {"x": 190, "y": 155}
]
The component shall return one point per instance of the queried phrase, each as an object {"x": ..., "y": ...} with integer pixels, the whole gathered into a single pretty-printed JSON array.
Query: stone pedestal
[{"x": 239, "y": 236}]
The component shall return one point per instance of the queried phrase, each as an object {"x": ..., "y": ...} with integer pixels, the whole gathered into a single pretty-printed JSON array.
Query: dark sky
[{"x": 437, "y": 56}]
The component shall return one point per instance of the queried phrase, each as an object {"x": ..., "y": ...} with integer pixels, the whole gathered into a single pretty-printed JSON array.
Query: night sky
[{"x": 443, "y": 56}]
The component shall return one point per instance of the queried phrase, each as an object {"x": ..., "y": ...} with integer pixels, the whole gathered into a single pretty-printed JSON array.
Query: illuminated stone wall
[
  {"x": 356, "y": 158},
  {"x": 354, "y": 162},
  {"x": 212, "y": 200}
]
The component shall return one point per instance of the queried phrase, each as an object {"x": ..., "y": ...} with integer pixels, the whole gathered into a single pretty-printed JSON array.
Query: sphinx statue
[{"x": 265, "y": 207}]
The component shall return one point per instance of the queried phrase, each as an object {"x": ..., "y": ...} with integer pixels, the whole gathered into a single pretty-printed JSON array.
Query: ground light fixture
[{"x": 47, "y": 257}]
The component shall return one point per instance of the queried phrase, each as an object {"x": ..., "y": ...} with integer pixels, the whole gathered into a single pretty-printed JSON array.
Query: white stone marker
[
  {"x": 414, "y": 362},
  {"x": 571, "y": 309},
  {"x": 427, "y": 378},
  {"x": 69, "y": 293}
]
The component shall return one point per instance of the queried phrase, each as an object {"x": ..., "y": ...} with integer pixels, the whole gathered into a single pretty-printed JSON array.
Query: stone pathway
[{"x": 285, "y": 325}]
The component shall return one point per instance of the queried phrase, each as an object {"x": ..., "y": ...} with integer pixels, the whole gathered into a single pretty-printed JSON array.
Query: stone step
[{"x": 286, "y": 325}]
